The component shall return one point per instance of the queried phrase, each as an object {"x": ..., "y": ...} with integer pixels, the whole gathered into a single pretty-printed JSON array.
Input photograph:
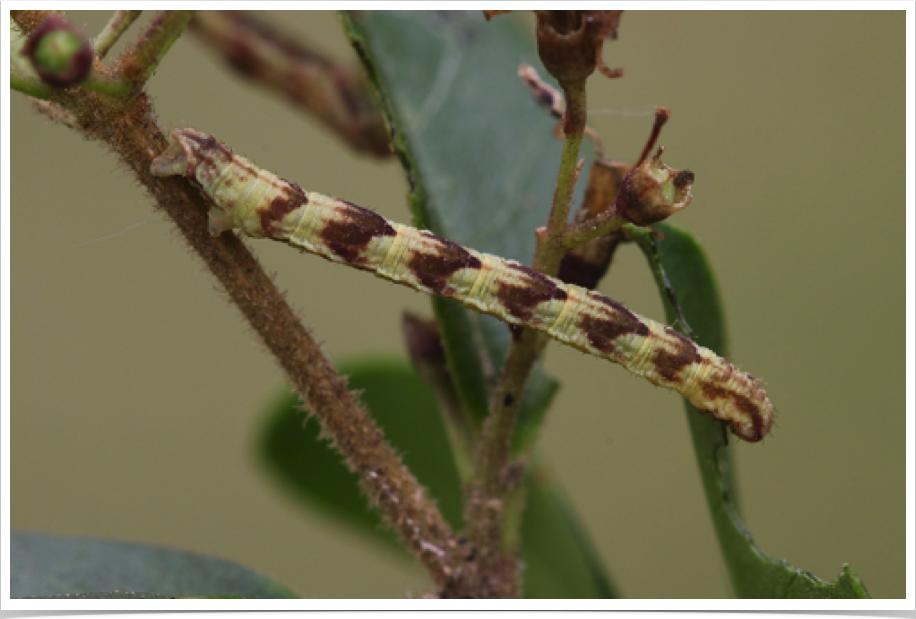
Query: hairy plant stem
[
  {"x": 118, "y": 24},
  {"x": 550, "y": 249},
  {"x": 495, "y": 502},
  {"x": 132, "y": 133},
  {"x": 30, "y": 20},
  {"x": 139, "y": 62},
  {"x": 605, "y": 223}
]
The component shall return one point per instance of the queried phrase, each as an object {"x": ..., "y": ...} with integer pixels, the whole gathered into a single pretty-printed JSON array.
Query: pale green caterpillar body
[{"x": 260, "y": 204}]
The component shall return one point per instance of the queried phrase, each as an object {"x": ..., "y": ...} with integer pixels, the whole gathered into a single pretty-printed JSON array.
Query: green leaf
[
  {"x": 45, "y": 565},
  {"x": 559, "y": 558},
  {"x": 479, "y": 157},
  {"x": 753, "y": 574}
]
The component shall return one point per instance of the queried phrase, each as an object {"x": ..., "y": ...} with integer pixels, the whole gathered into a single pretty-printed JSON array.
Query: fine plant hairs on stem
[{"x": 259, "y": 204}]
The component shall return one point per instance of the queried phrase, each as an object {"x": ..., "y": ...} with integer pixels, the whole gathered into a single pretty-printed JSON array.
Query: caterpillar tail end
[{"x": 755, "y": 421}]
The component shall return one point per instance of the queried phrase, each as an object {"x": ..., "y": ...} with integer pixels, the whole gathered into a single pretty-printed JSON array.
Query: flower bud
[
  {"x": 652, "y": 191},
  {"x": 60, "y": 54}
]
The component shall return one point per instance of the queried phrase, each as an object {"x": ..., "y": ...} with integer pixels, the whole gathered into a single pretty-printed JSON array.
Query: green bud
[
  {"x": 60, "y": 54},
  {"x": 56, "y": 50}
]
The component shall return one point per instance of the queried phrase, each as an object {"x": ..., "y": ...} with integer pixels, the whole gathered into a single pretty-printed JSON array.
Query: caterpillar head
[{"x": 193, "y": 154}]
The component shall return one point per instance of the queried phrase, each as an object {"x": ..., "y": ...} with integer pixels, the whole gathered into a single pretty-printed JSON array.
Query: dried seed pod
[
  {"x": 652, "y": 191},
  {"x": 61, "y": 55},
  {"x": 570, "y": 42}
]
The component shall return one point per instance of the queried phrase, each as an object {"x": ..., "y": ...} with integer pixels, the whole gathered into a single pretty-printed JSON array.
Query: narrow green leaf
[
  {"x": 753, "y": 574},
  {"x": 559, "y": 557},
  {"x": 45, "y": 565},
  {"x": 480, "y": 159}
]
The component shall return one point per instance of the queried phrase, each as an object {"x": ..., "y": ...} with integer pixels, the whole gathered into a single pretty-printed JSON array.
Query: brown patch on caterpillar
[
  {"x": 520, "y": 301},
  {"x": 759, "y": 424},
  {"x": 669, "y": 364},
  {"x": 602, "y": 331},
  {"x": 205, "y": 143},
  {"x": 208, "y": 157},
  {"x": 623, "y": 315},
  {"x": 355, "y": 227},
  {"x": 291, "y": 197},
  {"x": 434, "y": 269}
]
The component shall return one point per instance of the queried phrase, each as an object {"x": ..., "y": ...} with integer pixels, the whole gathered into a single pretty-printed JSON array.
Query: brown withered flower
[
  {"x": 570, "y": 42},
  {"x": 653, "y": 191}
]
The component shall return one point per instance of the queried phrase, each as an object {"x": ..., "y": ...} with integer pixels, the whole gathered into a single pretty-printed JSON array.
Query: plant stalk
[
  {"x": 493, "y": 504},
  {"x": 29, "y": 86},
  {"x": 140, "y": 61},
  {"x": 118, "y": 24},
  {"x": 132, "y": 133}
]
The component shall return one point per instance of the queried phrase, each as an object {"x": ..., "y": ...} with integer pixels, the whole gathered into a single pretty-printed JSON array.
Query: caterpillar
[{"x": 260, "y": 204}]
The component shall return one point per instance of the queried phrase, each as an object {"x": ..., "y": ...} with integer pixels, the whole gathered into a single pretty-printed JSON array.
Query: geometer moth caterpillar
[{"x": 260, "y": 204}]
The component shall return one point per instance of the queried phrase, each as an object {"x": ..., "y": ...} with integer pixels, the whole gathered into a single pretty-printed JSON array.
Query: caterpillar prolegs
[{"x": 260, "y": 204}]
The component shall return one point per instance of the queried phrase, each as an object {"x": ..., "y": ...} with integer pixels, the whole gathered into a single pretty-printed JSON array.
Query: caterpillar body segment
[{"x": 260, "y": 204}]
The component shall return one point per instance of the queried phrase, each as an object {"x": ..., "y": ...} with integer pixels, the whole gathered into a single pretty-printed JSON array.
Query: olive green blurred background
[{"x": 139, "y": 391}]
